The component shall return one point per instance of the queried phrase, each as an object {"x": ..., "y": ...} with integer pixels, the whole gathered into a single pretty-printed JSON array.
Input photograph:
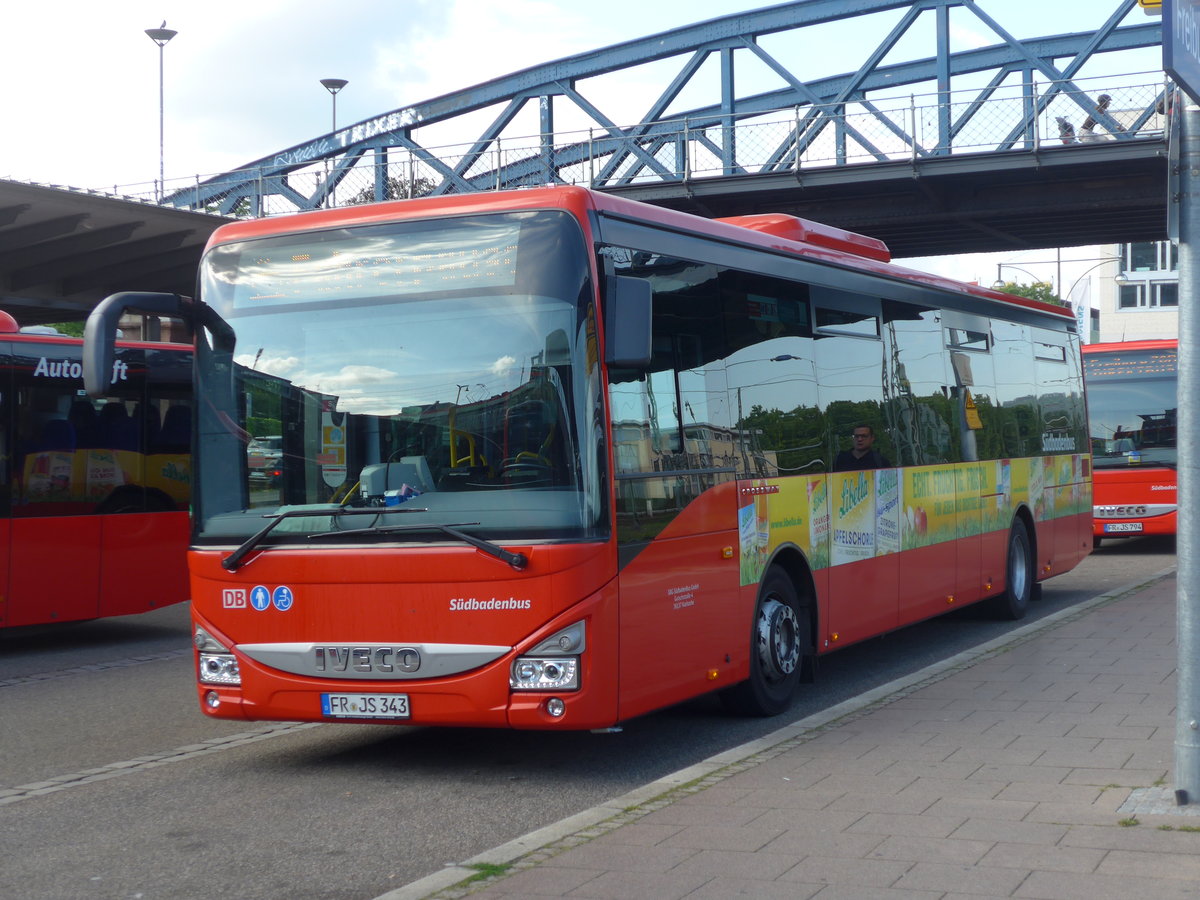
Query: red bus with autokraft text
[
  {"x": 554, "y": 459},
  {"x": 93, "y": 493},
  {"x": 1131, "y": 398}
]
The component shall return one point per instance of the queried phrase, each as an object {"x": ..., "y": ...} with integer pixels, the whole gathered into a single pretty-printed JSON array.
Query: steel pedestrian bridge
[
  {"x": 1008, "y": 144},
  {"x": 1005, "y": 145}
]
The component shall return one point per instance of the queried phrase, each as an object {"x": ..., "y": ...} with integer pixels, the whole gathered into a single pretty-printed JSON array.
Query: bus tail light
[
  {"x": 217, "y": 665},
  {"x": 553, "y": 665}
]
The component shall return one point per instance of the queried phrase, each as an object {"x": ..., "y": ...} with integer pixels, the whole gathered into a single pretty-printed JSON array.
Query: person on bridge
[
  {"x": 1066, "y": 131},
  {"x": 862, "y": 455},
  {"x": 1088, "y": 132}
]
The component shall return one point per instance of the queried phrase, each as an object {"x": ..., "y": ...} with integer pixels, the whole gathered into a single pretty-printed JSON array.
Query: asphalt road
[{"x": 113, "y": 785}]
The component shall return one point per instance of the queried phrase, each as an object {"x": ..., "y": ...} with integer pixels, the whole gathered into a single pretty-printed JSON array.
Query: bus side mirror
[
  {"x": 100, "y": 333},
  {"x": 627, "y": 322}
]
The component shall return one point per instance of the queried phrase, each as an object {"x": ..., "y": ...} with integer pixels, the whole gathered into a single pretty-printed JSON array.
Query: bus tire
[
  {"x": 1019, "y": 575},
  {"x": 779, "y": 643}
]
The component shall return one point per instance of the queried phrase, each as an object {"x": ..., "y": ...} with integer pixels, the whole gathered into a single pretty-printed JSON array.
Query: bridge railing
[{"x": 1002, "y": 117}]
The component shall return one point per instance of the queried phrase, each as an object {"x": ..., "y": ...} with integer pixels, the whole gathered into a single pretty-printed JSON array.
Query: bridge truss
[{"x": 730, "y": 103}]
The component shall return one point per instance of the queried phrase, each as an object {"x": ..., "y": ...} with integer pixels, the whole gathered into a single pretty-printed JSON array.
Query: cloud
[
  {"x": 503, "y": 366},
  {"x": 279, "y": 366}
]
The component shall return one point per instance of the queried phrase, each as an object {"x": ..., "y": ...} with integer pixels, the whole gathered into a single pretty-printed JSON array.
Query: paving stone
[
  {"x": 1041, "y": 857},
  {"x": 992, "y": 881},
  {"x": 1043, "y": 885},
  {"x": 724, "y": 888},
  {"x": 723, "y": 837},
  {"x": 739, "y": 865},
  {"x": 872, "y": 873},
  {"x": 925, "y": 825},
  {"x": 1011, "y": 832},
  {"x": 625, "y": 885},
  {"x": 797, "y": 845},
  {"x": 946, "y": 850}
]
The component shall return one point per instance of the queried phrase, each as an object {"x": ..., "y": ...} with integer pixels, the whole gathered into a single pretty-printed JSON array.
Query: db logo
[{"x": 233, "y": 598}]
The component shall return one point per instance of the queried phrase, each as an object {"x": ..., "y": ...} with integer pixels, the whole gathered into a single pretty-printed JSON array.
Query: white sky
[{"x": 81, "y": 104}]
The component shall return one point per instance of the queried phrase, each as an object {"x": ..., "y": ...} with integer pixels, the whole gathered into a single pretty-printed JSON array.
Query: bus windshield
[
  {"x": 443, "y": 369},
  {"x": 1131, "y": 407}
]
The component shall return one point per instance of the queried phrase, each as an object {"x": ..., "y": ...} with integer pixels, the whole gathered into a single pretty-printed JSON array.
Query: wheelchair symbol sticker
[
  {"x": 282, "y": 598},
  {"x": 260, "y": 597}
]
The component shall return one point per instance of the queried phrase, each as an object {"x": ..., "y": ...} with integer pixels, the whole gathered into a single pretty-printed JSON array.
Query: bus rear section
[
  {"x": 93, "y": 516},
  {"x": 1131, "y": 393},
  {"x": 554, "y": 459}
]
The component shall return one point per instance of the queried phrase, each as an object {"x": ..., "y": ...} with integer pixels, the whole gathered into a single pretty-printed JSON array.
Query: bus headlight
[
  {"x": 219, "y": 668},
  {"x": 531, "y": 674},
  {"x": 553, "y": 665},
  {"x": 217, "y": 665}
]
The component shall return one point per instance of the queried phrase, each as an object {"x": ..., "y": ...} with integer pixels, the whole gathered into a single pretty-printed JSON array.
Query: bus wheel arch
[
  {"x": 781, "y": 642},
  {"x": 791, "y": 559},
  {"x": 1026, "y": 516},
  {"x": 1020, "y": 569}
]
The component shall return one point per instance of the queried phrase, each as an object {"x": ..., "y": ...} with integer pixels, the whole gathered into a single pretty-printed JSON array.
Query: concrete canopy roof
[{"x": 63, "y": 250}]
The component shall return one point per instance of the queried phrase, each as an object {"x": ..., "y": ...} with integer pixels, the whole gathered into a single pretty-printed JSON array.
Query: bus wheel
[
  {"x": 1019, "y": 572},
  {"x": 778, "y": 645},
  {"x": 1096, "y": 541}
]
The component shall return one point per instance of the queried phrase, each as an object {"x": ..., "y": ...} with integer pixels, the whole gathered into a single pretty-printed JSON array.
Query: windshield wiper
[
  {"x": 233, "y": 561},
  {"x": 516, "y": 560}
]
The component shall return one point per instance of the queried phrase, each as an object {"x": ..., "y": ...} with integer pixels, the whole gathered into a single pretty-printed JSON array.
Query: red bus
[
  {"x": 93, "y": 511},
  {"x": 554, "y": 459},
  {"x": 1131, "y": 390}
]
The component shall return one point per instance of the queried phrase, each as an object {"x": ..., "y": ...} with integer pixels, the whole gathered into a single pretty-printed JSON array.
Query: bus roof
[
  {"x": 1117, "y": 346},
  {"x": 774, "y": 232},
  {"x": 11, "y": 329}
]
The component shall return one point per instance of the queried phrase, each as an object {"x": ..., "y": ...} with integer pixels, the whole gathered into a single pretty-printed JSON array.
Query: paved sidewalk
[{"x": 1035, "y": 767}]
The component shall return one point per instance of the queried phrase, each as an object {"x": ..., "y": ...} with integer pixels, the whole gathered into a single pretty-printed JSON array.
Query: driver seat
[{"x": 529, "y": 431}]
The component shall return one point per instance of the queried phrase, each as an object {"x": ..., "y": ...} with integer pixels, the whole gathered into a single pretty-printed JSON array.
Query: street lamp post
[
  {"x": 1081, "y": 313},
  {"x": 160, "y": 36},
  {"x": 333, "y": 85},
  {"x": 1119, "y": 278},
  {"x": 999, "y": 283}
]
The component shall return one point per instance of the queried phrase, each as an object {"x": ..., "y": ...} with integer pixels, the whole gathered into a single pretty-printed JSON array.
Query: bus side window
[
  {"x": 176, "y": 433},
  {"x": 57, "y": 435},
  {"x": 850, "y": 364},
  {"x": 1016, "y": 389},
  {"x": 83, "y": 417},
  {"x": 918, "y": 396},
  {"x": 778, "y": 427},
  {"x": 117, "y": 431}
]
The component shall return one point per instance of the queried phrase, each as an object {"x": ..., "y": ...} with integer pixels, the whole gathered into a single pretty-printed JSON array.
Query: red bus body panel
[
  {"x": 108, "y": 573},
  {"x": 402, "y": 596},
  {"x": 684, "y": 618},
  {"x": 1136, "y": 487},
  {"x": 41, "y": 587}
]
